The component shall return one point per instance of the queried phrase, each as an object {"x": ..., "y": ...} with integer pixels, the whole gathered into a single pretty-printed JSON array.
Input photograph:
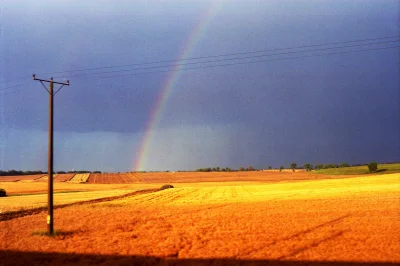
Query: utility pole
[{"x": 50, "y": 90}]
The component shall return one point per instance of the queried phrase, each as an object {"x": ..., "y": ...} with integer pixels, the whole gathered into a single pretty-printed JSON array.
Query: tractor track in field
[
  {"x": 198, "y": 210},
  {"x": 233, "y": 192},
  {"x": 208, "y": 194},
  {"x": 247, "y": 190},
  {"x": 17, "y": 214},
  {"x": 149, "y": 198},
  {"x": 181, "y": 194},
  {"x": 311, "y": 242},
  {"x": 167, "y": 197}
]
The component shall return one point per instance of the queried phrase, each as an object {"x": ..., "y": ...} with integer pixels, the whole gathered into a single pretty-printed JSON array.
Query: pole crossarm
[{"x": 51, "y": 80}]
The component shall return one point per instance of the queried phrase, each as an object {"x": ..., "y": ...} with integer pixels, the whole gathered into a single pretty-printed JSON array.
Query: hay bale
[{"x": 166, "y": 187}]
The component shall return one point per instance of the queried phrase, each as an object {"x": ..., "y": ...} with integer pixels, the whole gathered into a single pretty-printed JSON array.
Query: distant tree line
[
  {"x": 227, "y": 169},
  {"x": 372, "y": 166},
  {"x": 215, "y": 169},
  {"x": 38, "y": 172},
  {"x": 78, "y": 172},
  {"x": 16, "y": 172},
  {"x": 310, "y": 167}
]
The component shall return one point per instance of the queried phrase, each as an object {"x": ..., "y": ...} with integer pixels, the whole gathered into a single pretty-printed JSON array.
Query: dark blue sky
[{"x": 323, "y": 109}]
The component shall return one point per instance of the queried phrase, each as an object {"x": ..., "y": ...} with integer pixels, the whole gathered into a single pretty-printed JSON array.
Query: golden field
[{"x": 245, "y": 220}]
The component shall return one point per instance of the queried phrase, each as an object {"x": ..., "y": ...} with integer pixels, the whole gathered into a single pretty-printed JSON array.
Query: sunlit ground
[{"x": 354, "y": 219}]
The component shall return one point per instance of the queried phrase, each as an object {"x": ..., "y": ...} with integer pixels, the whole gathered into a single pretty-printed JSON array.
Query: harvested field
[
  {"x": 43, "y": 178},
  {"x": 130, "y": 178},
  {"x": 178, "y": 177},
  {"x": 195, "y": 177},
  {"x": 28, "y": 188},
  {"x": 331, "y": 220},
  {"x": 210, "y": 193},
  {"x": 38, "y": 178},
  {"x": 20, "y": 178},
  {"x": 24, "y": 202},
  {"x": 63, "y": 177},
  {"x": 79, "y": 178},
  {"x": 23, "y": 196}
]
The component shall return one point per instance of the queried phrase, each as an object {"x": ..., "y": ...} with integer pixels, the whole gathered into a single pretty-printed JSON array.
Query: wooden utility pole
[{"x": 50, "y": 208}]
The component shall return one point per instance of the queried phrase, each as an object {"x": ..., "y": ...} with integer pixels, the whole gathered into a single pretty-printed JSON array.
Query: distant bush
[
  {"x": 373, "y": 166},
  {"x": 2, "y": 193},
  {"x": 319, "y": 166},
  {"x": 281, "y": 168},
  {"x": 328, "y": 166},
  {"x": 308, "y": 167},
  {"x": 166, "y": 187}
]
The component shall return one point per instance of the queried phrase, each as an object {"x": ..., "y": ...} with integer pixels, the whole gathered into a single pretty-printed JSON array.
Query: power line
[
  {"x": 10, "y": 87},
  {"x": 221, "y": 55},
  {"x": 259, "y": 61},
  {"x": 8, "y": 93},
  {"x": 240, "y": 63},
  {"x": 14, "y": 79},
  {"x": 222, "y": 60},
  {"x": 16, "y": 90},
  {"x": 210, "y": 56}
]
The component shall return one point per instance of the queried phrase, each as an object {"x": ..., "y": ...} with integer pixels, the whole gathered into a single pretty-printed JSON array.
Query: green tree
[
  {"x": 269, "y": 167},
  {"x": 293, "y": 166},
  {"x": 342, "y": 165},
  {"x": 241, "y": 168},
  {"x": 281, "y": 168},
  {"x": 250, "y": 168},
  {"x": 373, "y": 166},
  {"x": 327, "y": 166},
  {"x": 308, "y": 167}
]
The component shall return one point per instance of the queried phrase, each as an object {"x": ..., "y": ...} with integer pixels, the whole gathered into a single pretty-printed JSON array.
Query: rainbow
[{"x": 170, "y": 82}]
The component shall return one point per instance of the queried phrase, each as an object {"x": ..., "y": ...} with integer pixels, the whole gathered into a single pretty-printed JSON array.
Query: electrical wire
[
  {"x": 210, "y": 56},
  {"x": 11, "y": 87},
  {"x": 258, "y": 61},
  {"x": 221, "y": 60},
  {"x": 238, "y": 63},
  {"x": 220, "y": 55}
]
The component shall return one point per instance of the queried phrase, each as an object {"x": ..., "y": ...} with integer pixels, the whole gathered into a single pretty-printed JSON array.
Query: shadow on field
[
  {"x": 381, "y": 170},
  {"x": 37, "y": 258}
]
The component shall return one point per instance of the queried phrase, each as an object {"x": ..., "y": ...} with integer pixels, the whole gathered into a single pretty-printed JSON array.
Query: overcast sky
[{"x": 335, "y": 108}]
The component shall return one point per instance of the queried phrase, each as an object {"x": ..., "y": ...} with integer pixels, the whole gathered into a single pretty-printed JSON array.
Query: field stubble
[{"x": 353, "y": 219}]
